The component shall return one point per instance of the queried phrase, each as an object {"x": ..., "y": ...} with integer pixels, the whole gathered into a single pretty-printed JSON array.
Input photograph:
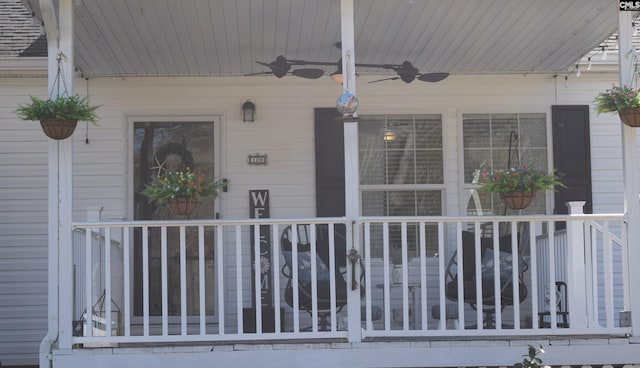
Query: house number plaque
[{"x": 257, "y": 159}]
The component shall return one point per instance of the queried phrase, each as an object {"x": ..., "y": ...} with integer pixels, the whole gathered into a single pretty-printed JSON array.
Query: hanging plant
[
  {"x": 622, "y": 100},
  {"x": 518, "y": 186},
  {"x": 58, "y": 117}
]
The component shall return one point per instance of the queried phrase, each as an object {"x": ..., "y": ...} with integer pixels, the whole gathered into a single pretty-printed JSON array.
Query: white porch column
[
  {"x": 352, "y": 206},
  {"x": 576, "y": 269},
  {"x": 629, "y": 157},
  {"x": 59, "y": 31}
]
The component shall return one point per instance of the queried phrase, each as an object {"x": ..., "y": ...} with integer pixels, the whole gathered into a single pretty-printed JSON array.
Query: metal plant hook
[
  {"x": 513, "y": 136},
  {"x": 348, "y": 70},
  {"x": 59, "y": 78}
]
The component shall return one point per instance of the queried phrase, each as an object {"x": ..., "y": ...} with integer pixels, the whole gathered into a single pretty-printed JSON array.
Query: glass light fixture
[
  {"x": 389, "y": 135},
  {"x": 248, "y": 112},
  {"x": 337, "y": 76}
]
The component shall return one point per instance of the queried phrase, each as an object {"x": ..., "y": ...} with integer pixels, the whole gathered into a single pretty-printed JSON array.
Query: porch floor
[{"x": 563, "y": 351}]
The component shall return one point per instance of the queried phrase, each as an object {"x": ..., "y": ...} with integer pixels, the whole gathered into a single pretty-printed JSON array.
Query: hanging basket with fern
[{"x": 58, "y": 117}]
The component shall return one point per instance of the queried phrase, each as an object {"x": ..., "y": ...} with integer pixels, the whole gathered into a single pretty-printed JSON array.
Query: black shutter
[
  {"x": 572, "y": 155},
  {"x": 329, "y": 139}
]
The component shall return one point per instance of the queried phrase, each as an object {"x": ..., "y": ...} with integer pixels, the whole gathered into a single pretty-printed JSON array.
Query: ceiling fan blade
[
  {"x": 257, "y": 73},
  {"x": 308, "y": 73},
  {"x": 385, "y": 79},
  {"x": 433, "y": 77}
]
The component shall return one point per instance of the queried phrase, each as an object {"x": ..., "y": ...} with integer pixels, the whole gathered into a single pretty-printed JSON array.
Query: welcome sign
[{"x": 259, "y": 208}]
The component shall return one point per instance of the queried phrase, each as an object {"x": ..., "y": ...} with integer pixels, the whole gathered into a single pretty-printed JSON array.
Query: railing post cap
[{"x": 576, "y": 207}]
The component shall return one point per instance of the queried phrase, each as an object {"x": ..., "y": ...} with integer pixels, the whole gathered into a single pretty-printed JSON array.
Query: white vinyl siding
[{"x": 23, "y": 226}]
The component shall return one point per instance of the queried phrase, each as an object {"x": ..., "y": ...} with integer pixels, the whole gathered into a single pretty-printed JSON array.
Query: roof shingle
[{"x": 18, "y": 36}]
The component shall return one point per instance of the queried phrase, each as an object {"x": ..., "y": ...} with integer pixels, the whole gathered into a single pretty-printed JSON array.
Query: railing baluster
[
  {"x": 460, "y": 275},
  {"x": 238, "y": 265},
  {"x": 497, "y": 274},
  {"x": 145, "y": 280},
  {"x": 88, "y": 282},
  {"x": 164, "y": 279},
  {"x": 385, "y": 265},
  {"x": 405, "y": 276},
  {"x": 423, "y": 276},
  {"x": 201, "y": 282},
  {"x": 515, "y": 275},
  {"x": 608, "y": 273},
  {"x": 107, "y": 281},
  {"x": 368, "y": 274},
  {"x": 183, "y": 281},
  {"x": 275, "y": 241},
  {"x": 552, "y": 275},
  {"x": 220, "y": 280},
  {"x": 127, "y": 280},
  {"x": 294, "y": 279},
  {"x": 478, "y": 269},
  {"x": 533, "y": 266},
  {"x": 442, "y": 277},
  {"x": 257, "y": 273},
  {"x": 314, "y": 278},
  {"x": 332, "y": 275}
]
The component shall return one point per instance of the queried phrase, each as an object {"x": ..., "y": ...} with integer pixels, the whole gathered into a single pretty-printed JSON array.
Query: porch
[{"x": 196, "y": 282}]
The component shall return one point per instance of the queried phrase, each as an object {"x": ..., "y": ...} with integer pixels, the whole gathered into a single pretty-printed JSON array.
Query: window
[
  {"x": 498, "y": 142},
  {"x": 172, "y": 145},
  {"x": 402, "y": 172}
]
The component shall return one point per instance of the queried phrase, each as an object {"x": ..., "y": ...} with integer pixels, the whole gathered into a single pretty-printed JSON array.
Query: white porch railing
[
  {"x": 197, "y": 281},
  {"x": 432, "y": 296}
]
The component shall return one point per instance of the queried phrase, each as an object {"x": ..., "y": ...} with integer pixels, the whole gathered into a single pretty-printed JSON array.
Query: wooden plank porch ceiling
[{"x": 226, "y": 37}]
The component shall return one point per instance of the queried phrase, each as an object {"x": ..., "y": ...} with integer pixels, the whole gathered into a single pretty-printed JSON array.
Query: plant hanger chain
[{"x": 60, "y": 79}]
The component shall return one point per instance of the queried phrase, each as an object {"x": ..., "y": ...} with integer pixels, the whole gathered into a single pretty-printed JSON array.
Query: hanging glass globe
[{"x": 347, "y": 103}]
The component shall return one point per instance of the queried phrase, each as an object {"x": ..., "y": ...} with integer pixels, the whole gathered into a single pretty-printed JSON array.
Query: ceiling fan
[{"x": 405, "y": 71}]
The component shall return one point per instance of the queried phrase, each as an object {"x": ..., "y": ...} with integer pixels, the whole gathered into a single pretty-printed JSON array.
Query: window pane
[
  {"x": 429, "y": 203},
  {"x": 499, "y": 142},
  {"x": 401, "y": 167},
  {"x": 428, "y": 132},
  {"x": 504, "y": 130},
  {"x": 431, "y": 167},
  {"x": 400, "y": 149},
  {"x": 474, "y": 160},
  {"x": 533, "y": 130},
  {"x": 476, "y": 131}
]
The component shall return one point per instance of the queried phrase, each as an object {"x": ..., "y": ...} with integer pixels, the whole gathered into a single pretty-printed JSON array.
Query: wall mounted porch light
[{"x": 248, "y": 111}]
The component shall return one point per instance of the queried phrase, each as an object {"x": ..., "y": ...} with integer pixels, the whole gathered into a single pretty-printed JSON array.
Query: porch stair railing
[{"x": 199, "y": 281}]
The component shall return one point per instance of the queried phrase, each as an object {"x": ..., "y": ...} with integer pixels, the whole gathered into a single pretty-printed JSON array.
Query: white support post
[
  {"x": 65, "y": 182},
  {"x": 576, "y": 268},
  {"x": 352, "y": 206},
  {"x": 61, "y": 177},
  {"x": 630, "y": 165}
]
